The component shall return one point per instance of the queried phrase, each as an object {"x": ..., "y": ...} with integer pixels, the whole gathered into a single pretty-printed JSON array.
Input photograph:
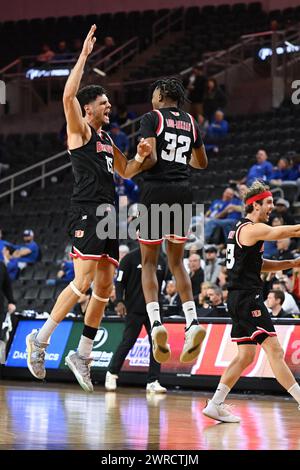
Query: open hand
[{"x": 89, "y": 41}]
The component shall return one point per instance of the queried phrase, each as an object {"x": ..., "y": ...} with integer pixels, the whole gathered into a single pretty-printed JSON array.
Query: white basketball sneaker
[{"x": 220, "y": 412}]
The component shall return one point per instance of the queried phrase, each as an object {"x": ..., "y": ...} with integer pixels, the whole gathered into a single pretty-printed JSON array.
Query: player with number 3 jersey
[{"x": 251, "y": 321}]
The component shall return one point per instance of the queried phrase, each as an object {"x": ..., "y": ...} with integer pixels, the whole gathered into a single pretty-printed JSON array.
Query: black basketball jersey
[
  {"x": 176, "y": 134},
  {"x": 93, "y": 170},
  {"x": 243, "y": 262}
]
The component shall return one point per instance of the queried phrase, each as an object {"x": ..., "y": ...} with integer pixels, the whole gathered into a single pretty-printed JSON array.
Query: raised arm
[
  {"x": 144, "y": 159},
  {"x": 75, "y": 122},
  {"x": 250, "y": 234}
]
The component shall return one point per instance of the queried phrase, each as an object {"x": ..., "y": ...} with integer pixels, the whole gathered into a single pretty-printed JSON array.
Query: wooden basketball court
[{"x": 62, "y": 416}]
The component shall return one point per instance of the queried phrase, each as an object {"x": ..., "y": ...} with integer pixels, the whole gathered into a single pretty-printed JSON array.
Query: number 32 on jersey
[{"x": 176, "y": 148}]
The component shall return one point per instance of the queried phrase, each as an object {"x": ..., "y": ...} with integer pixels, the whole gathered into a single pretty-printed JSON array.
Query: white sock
[
  {"x": 220, "y": 394},
  {"x": 189, "y": 309},
  {"x": 153, "y": 312},
  {"x": 295, "y": 392},
  {"x": 46, "y": 331},
  {"x": 85, "y": 346}
]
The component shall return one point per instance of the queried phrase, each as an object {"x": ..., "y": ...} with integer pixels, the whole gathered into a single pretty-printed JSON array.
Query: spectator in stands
[
  {"x": 270, "y": 248},
  {"x": 283, "y": 252},
  {"x": 109, "y": 45},
  {"x": 10, "y": 262},
  {"x": 196, "y": 87},
  {"x": 119, "y": 138},
  {"x": 126, "y": 187},
  {"x": 216, "y": 306},
  {"x": 289, "y": 305},
  {"x": 46, "y": 55},
  {"x": 281, "y": 172},
  {"x": 200, "y": 298},
  {"x": 3, "y": 243},
  {"x": 123, "y": 250},
  {"x": 171, "y": 297},
  {"x": 65, "y": 275},
  {"x": 223, "y": 213},
  {"x": 223, "y": 275},
  {"x": 274, "y": 304},
  {"x": 295, "y": 168},
  {"x": 203, "y": 125},
  {"x": 282, "y": 210},
  {"x": 224, "y": 289},
  {"x": 5, "y": 292},
  {"x": 212, "y": 266},
  {"x": 213, "y": 99},
  {"x": 123, "y": 116},
  {"x": 28, "y": 252},
  {"x": 62, "y": 52},
  {"x": 196, "y": 273},
  {"x": 262, "y": 170},
  {"x": 77, "y": 46},
  {"x": 219, "y": 127}
]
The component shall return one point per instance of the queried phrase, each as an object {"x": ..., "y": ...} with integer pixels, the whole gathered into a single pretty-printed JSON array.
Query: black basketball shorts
[
  {"x": 251, "y": 321},
  {"x": 87, "y": 244},
  {"x": 166, "y": 212}
]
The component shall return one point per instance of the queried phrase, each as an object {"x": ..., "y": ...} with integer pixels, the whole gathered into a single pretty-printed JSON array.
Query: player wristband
[{"x": 138, "y": 158}]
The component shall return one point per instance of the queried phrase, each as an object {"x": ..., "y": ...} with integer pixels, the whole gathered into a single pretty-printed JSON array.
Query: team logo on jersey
[
  {"x": 103, "y": 148},
  {"x": 231, "y": 234},
  {"x": 256, "y": 313},
  {"x": 79, "y": 233}
]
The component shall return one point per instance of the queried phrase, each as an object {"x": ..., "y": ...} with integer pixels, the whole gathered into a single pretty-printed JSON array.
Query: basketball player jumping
[
  {"x": 176, "y": 143},
  {"x": 94, "y": 158},
  {"x": 251, "y": 321}
]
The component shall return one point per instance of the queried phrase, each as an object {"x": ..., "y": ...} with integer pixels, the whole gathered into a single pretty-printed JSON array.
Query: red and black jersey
[
  {"x": 93, "y": 170},
  {"x": 176, "y": 133},
  {"x": 243, "y": 262}
]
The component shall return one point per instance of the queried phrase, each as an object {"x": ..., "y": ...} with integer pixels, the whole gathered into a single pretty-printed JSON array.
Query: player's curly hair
[
  {"x": 170, "y": 88},
  {"x": 257, "y": 187},
  {"x": 88, "y": 94}
]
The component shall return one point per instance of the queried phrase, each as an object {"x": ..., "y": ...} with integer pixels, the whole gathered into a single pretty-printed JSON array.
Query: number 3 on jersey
[
  {"x": 230, "y": 260},
  {"x": 110, "y": 166},
  {"x": 176, "y": 153}
]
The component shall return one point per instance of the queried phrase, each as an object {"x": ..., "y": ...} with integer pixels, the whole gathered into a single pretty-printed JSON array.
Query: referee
[{"x": 131, "y": 305}]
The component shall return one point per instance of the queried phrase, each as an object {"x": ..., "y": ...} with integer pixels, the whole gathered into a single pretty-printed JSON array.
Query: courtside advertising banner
[{"x": 216, "y": 352}]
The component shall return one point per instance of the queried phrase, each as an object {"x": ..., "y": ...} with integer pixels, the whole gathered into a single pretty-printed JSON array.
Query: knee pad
[
  {"x": 75, "y": 290},
  {"x": 101, "y": 299}
]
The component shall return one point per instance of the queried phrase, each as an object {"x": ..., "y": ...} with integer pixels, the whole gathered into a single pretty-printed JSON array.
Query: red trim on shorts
[
  {"x": 259, "y": 331},
  {"x": 80, "y": 255},
  {"x": 160, "y": 122},
  {"x": 176, "y": 238},
  {"x": 150, "y": 242}
]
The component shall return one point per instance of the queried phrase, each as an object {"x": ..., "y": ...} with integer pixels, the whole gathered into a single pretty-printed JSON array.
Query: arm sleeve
[{"x": 149, "y": 124}]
